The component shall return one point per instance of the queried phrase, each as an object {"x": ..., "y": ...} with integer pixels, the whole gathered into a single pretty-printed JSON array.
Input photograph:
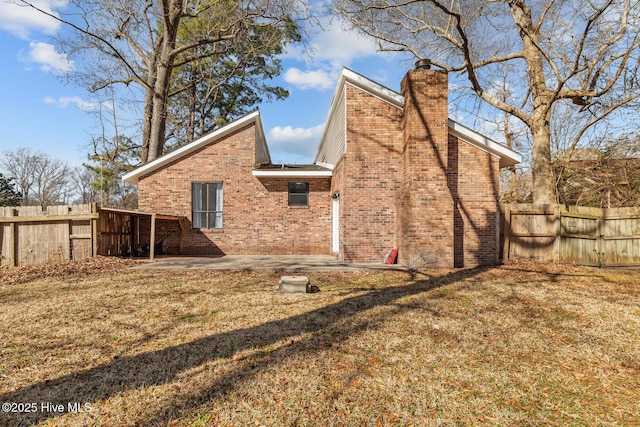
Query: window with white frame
[{"x": 206, "y": 204}]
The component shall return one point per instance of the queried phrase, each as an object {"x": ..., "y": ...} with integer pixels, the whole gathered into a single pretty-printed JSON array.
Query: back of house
[{"x": 391, "y": 171}]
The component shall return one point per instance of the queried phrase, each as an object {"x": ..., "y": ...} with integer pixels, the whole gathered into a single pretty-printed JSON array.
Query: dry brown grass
[{"x": 523, "y": 344}]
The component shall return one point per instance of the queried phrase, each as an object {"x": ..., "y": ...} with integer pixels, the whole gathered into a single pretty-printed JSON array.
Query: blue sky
[{"x": 39, "y": 111}]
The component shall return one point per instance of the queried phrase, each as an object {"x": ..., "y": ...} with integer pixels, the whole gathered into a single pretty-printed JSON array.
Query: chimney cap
[{"x": 423, "y": 64}]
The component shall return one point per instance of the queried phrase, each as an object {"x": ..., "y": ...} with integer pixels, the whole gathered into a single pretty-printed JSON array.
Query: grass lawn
[{"x": 522, "y": 344}]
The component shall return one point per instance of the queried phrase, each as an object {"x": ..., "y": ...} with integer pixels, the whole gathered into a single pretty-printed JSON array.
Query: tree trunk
[
  {"x": 192, "y": 94},
  {"x": 146, "y": 126},
  {"x": 160, "y": 100},
  {"x": 542, "y": 98},
  {"x": 543, "y": 182},
  {"x": 158, "y": 121},
  {"x": 164, "y": 67},
  {"x": 152, "y": 64}
]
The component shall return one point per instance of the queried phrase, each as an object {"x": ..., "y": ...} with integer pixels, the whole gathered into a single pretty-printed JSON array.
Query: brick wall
[
  {"x": 370, "y": 177},
  {"x": 473, "y": 179},
  {"x": 425, "y": 206},
  {"x": 403, "y": 181},
  {"x": 256, "y": 215}
]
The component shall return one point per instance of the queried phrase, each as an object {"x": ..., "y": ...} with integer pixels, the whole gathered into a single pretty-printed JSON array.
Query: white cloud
[
  {"x": 50, "y": 61},
  {"x": 331, "y": 48},
  {"x": 65, "y": 101},
  {"x": 310, "y": 79},
  {"x": 334, "y": 43},
  {"x": 291, "y": 144},
  {"x": 287, "y": 133},
  {"x": 20, "y": 20}
]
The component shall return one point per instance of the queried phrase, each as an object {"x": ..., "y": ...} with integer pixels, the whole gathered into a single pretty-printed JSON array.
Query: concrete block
[{"x": 294, "y": 284}]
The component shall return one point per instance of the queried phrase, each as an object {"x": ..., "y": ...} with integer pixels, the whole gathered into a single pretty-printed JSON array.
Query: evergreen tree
[{"x": 9, "y": 196}]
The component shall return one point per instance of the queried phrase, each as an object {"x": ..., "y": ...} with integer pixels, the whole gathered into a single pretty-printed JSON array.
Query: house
[{"x": 391, "y": 170}]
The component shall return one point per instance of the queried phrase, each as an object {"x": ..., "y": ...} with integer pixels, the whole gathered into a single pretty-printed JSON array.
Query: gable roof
[
  {"x": 507, "y": 156},
  {"x": 218, "y": 134}
]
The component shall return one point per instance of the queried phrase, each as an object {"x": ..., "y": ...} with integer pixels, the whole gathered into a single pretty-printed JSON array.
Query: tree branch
[{"x": 102, "y": 40}]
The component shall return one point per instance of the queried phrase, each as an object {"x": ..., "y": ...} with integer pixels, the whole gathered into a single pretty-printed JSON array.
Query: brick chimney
[{"x": 425, "y": 205}]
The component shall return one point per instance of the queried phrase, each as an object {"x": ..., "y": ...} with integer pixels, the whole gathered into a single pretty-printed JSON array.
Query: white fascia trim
[
  {"x": 291, "y": 174},
  {"x": 375, "y": 89},
  {"x": 507, "y": 156},
  {"x": 132, "y": 177},
  {"x": 326, "y": 165}
]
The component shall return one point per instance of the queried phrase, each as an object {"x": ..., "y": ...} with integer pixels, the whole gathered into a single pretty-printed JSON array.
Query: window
[
  {"x": 206, "y": 202},
  {"x": 298, "y": 194}
]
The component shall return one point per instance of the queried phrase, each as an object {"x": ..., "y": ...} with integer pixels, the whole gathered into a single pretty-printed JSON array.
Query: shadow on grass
[{"x": 168, "y": 364}]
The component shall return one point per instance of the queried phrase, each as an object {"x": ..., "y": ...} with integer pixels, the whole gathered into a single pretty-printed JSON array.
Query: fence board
[
  {"x": 30, "y": 235},
  {"x": 532, "y": 232},
  {"x": 63, "y": 233},
  {"x": 579, "y": 231},
  {"x": 575, "y": 234},
  {"x": 116, "y": 234}
]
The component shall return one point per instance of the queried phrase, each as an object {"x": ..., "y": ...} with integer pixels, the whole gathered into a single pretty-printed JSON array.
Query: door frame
[{"x": 335, "y": 223}]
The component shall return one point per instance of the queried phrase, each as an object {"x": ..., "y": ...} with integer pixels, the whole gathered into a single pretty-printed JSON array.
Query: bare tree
[
  {"x": 607, "y": 176},
  {"x": 20, "y": 166},
  {"x": 40, "y": 179},
  {"x": 51, "y": 182},
  {"x": 84, "y": 180},
  {"x": 142, "y": 42},
  {"x": 582, "y": 52}
]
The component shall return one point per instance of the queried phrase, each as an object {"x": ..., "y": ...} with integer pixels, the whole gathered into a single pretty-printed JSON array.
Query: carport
[{"x": 123, "y": 232}]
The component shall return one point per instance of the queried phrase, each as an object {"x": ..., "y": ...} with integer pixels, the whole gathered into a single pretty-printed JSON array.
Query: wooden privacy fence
[
  {"x": 572, "y": 234},
  {"x": 29, "y": 235}
]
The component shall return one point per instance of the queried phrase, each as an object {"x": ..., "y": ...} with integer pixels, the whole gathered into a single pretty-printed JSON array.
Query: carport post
[{"x": 152, "y": 244}]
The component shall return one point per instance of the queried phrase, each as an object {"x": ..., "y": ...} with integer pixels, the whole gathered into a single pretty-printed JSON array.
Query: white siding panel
[
  {"x": 333, "y": 144},
  {"x": 262, "y": 152}
]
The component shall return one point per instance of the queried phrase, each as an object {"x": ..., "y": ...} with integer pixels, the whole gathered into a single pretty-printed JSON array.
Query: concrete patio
[{"x": 291, "y": 263}]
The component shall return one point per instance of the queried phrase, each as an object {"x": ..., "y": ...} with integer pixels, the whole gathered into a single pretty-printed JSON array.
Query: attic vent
[{"x": 423, "y": 64}]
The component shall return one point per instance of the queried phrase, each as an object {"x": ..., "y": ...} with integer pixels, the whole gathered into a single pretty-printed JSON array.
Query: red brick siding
[
  {"x": 474, "y": 182},
  {"x": 404, "y": 181},
  {"x": 370, "y": 179},
  {"x": 425, "y": 207},
  {"x": 256, "y": 215}
]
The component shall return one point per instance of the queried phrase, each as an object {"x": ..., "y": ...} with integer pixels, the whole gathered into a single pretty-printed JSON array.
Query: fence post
[
  {"x": 557, "y": 240},
  {"x": 94, "y": 230},
  {"x": 600, "y": 241},
  {"x": 12, "y": 239},
  {"x": 506, "y": 231}
]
